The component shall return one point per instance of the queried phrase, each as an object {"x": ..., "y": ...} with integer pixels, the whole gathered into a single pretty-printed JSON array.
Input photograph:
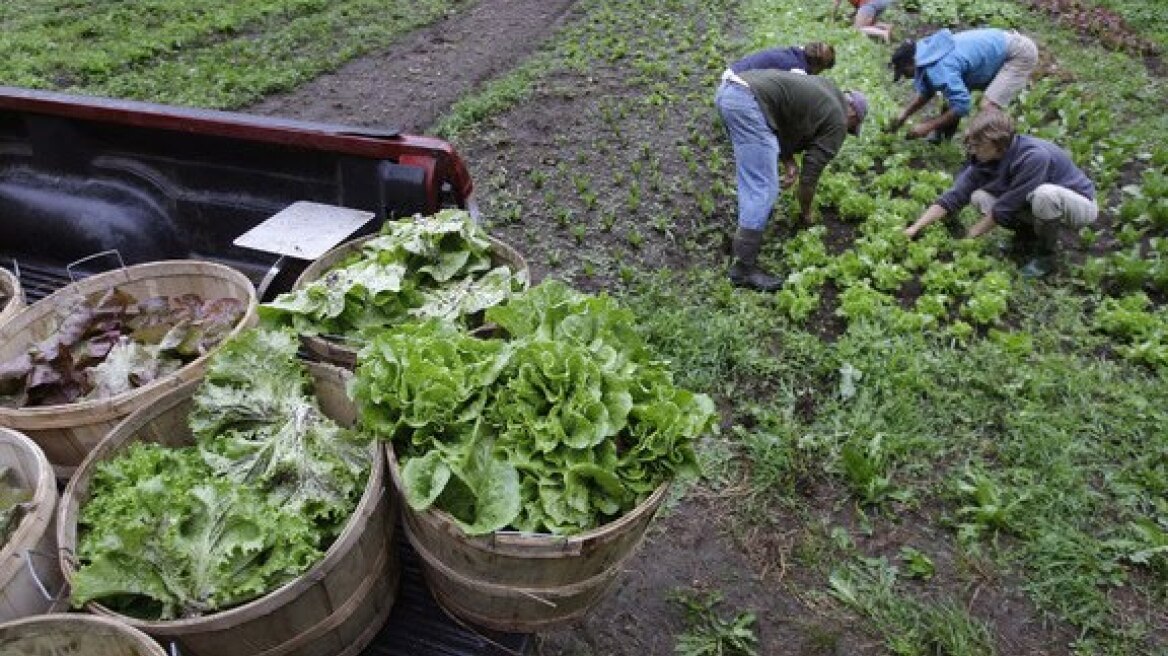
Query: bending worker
[
  {"x": 813, "y": 59},
  {"x": 1024, "y": 183},
  {"x": 998, "y": 61},
  {"x": 771, "y": 116}
]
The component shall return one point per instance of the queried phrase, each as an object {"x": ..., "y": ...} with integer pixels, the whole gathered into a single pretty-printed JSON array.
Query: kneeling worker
[
  {"x": 770, "y": 116},
  {"x": 1024, "y": 183}
]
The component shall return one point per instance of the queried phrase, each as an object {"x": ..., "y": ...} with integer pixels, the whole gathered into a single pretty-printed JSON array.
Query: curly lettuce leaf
[
  {"x": 573, "y": 403},
  {"x": 257, "y": 422},
  {"x": 429, "y": 266},
  {"x": 425, "y": 376},
  {"x": 163, "y": 539},
  {"x": 554, "y": 311},
  {"x": 128, "y": 365}
]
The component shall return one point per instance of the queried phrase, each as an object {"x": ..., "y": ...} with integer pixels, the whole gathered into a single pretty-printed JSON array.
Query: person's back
[
  {"x": 799, "y": 107},
  {"x": 813, "y": 58},
  {"x": 974, "y": 56},
  {"x": 781, "y": 59}
]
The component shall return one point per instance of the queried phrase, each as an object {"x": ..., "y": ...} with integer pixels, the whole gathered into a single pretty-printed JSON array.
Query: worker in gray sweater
[
  {"x": 1023, "y": 183},
  {"x": 771, "y": 116}
]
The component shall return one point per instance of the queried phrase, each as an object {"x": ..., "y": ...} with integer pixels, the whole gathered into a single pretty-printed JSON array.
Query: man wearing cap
[
  {"x": 998, "y": 61},
  {"x": 1024, "y": 183},
  {"x": 771, "y": 116}
]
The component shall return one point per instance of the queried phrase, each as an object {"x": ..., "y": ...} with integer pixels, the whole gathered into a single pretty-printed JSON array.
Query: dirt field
[{"x": 412, "y": 83}]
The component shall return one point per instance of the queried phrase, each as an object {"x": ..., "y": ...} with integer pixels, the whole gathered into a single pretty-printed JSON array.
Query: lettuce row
[{"x": 561, "y": 424}]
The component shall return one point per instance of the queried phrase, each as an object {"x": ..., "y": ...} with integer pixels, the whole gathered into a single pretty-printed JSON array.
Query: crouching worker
[
  {"x": 770, "y": 116},
  {"x": 1023, "y": 183}
]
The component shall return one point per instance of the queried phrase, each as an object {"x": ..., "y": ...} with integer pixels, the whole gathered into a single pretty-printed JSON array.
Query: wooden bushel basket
[
  {"x": 68, "y": 432},
  {"x": 344, "y": 354},
  {"x": 521, "y": 582},
  {"x": 334, "y": 609},
  {"x": 30, "y": 580},
  {"x": 11, "y": 296},
  {"x": 75, "y": 634}
]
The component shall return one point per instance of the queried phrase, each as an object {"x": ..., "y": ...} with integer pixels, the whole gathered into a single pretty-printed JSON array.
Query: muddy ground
[{"x": 695, "y": 544}]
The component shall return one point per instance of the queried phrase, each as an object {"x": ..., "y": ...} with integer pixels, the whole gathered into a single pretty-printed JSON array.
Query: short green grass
[{"x": 218, "y": 54}]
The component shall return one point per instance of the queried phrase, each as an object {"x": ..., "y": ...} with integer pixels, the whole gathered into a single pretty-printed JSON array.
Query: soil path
[{"x": 415, "y": 80}]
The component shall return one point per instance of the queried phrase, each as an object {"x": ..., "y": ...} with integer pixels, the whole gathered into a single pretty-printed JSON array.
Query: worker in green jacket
[{"x": 771, "y": 116}]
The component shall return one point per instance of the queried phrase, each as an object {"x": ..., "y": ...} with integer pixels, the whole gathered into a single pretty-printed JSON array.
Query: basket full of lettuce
[
  {"x": 441, "y": 266},
  {"x": 560, "y": 425},
  {"x": 235, "y": 507},
  {"x": 565, "y": 422}
]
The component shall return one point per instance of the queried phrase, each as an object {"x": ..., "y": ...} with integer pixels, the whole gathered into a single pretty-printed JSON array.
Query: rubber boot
[
  {"x": 1023, "y": 245},
  {"x": 745, "y": 271},
  {"x": 1043, "y": 258}
]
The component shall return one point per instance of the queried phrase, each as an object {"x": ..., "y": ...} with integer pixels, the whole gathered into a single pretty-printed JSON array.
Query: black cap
[{"x": 904, "y": 55}]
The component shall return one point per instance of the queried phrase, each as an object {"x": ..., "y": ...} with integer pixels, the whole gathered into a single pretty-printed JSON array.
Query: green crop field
[{"x": 220, "y": 53}]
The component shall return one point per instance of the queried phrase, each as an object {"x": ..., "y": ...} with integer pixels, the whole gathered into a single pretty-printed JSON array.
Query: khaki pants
[
  {"x": 1050, "y": 206},
  {"x": 1012, "y": 77}
]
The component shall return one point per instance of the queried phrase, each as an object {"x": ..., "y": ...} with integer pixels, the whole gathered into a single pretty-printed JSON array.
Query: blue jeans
[{"x": 756, "y": 154}]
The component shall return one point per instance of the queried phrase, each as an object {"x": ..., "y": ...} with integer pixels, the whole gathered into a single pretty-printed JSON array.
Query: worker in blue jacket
[
  {"x": 1023, "y": 183},
  {"x": 998, "y": 61}
]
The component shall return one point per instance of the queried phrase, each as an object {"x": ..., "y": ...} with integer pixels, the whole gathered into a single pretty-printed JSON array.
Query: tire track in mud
[{"x": 415, "y": 80}]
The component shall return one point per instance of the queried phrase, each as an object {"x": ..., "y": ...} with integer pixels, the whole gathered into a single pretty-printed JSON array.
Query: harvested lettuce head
[
  {"x": 438, "y": 266},
  {"x": 255, "y": 502},
  {"x": 563, "y": 426}
]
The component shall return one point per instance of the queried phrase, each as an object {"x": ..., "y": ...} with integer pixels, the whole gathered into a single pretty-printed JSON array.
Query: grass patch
[{"x": 217, "y": 54}]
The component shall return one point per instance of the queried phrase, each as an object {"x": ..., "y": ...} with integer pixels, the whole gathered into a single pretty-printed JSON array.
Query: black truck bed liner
[{"x": 82, "y": 175}]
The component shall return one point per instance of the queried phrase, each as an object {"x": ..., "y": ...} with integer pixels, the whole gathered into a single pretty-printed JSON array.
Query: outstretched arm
[
  {"x": 911, "y": 108},
  {"x": 949, "y": 117},
  {"x": 806, "y": 195},
  {"x": 932, "y": 214},
  {"x": 790, "y": 171},
  {"x": 983, "y": 226}
]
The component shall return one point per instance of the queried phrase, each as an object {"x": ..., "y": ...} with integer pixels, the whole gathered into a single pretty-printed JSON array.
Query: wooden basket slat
[
  {"x": 65, "y": 633},
  {"x": 20, "y": 594},
  {"x": 68, "y": 432},
  {"x": 519, "y": 582}
]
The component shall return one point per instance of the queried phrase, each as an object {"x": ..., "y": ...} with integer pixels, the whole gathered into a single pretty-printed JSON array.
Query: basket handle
[
  {"x": 27, "y": 554},
  {"x": 270, "y": 276},
  {"x": 113, "y": 251}
]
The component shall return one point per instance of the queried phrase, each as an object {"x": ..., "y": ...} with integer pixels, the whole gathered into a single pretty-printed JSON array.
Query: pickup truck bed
[{"x": 82, "y": 176}]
